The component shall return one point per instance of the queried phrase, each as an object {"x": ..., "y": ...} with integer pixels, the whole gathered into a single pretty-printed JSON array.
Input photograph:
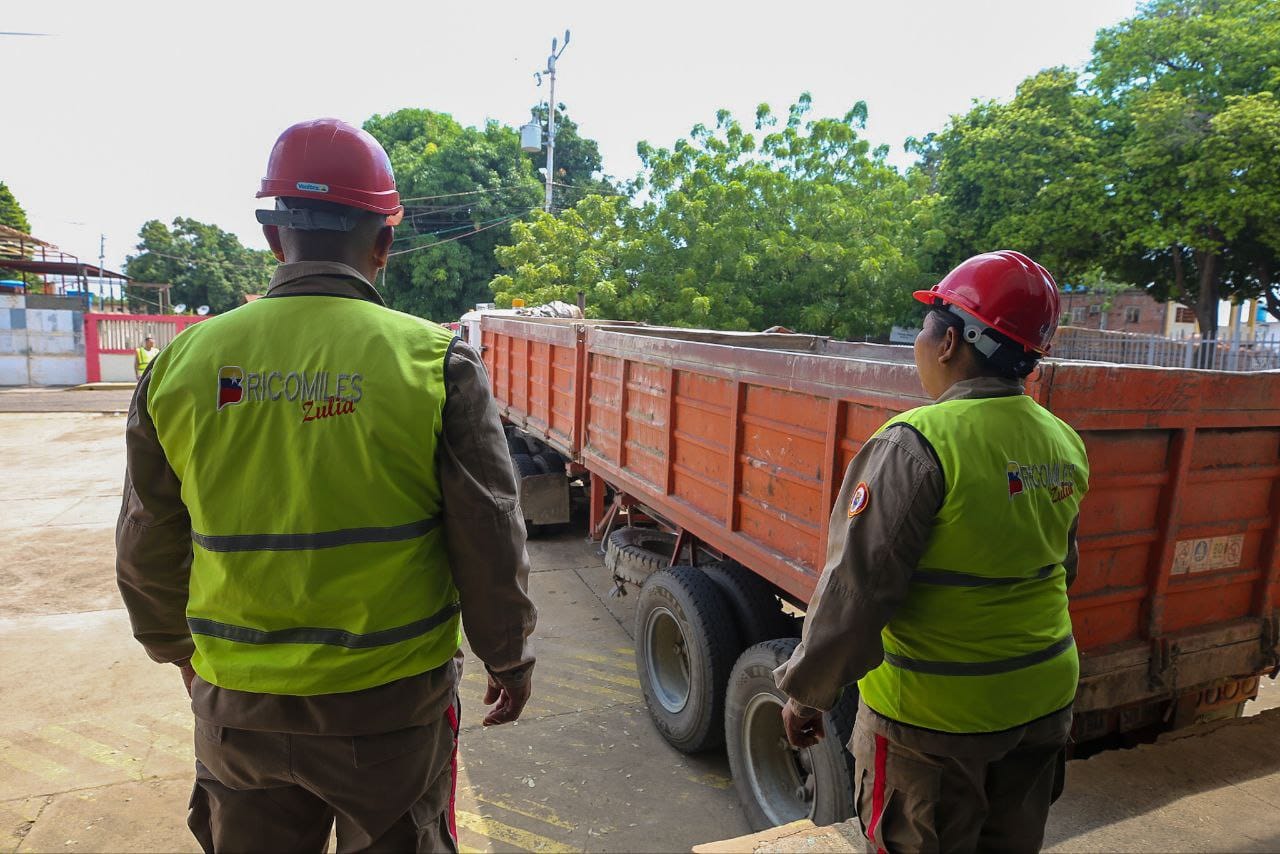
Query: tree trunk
[
  {"x": 1206, "y": 308},
  {"x": 1270, "y": 293}
]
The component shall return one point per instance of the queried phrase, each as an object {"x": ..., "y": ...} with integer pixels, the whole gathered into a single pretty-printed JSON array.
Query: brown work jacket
[
  {"x": 872, "y": 554},
  {"x": 483, "y": 527}
]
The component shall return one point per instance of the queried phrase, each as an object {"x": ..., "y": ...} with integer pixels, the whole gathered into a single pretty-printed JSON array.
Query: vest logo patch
[
  {"x": 861, "y": 498},
  {"x": 1056, "y": 478},
  {"x": 230, "y": 386},
  {"x": 1015, "y": 480},
  {"x": 317, "y": 394}
]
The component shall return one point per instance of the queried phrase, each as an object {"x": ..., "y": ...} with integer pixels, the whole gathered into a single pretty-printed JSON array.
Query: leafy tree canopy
[
  {"x": 205, "y": 265},
  {"x": 793, "y": 221},
  {"x": 1160, "y": 169},
  {"x": 463, "y": 187},
  {"x": 11, "y": 213}
]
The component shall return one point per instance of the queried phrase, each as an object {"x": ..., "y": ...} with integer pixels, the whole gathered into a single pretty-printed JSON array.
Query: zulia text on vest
[
  {"x": 319, "y": 394},
  {"x": 1058, "y": 478}
]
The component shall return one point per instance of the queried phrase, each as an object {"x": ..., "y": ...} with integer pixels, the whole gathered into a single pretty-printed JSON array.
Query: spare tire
[
  {"x": 685, "y": 645},
  {"x": 777, "y": 783},
  {"x": 516, "y": 444},
  {"x": 549, "y": 462},
  {"x": 756, "y": 609},
  {"x": 633, "y": 554},
  {"x": 524, "y": 465}
]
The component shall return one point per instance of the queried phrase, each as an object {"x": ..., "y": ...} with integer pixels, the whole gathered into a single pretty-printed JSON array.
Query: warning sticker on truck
[{"x": 1207, "y": 553}]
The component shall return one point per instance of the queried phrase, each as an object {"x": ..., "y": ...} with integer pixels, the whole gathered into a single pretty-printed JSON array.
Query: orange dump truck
[{"x": 730, "y": 448}]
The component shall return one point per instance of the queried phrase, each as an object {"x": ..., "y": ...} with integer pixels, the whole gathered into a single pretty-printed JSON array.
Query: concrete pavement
[{"x": 95, "y": 743}]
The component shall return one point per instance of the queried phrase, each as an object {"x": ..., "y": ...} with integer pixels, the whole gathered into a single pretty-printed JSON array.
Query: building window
[
  {"x": 1131, "y": 314},
  {"x": 1077, "y": 315},
  {"x": 1096, "y": 308}
]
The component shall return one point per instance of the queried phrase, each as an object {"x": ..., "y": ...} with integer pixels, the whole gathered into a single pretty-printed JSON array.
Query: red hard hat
[
  {"x": 1005, "y": 290},
  {"x": 333, "y": 161}
]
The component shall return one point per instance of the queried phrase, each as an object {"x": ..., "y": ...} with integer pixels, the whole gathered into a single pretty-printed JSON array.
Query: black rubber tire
[
  {"x": 516, "y": 444},
  {"x": 547, "y": 464},
  {"x": 685, "y": 597},
  {"x": 829, "y": 761},
  {"x": 524, "y": 465},
  {"x": 756, "y": 609},
  {"x": 633, "y": 554}
]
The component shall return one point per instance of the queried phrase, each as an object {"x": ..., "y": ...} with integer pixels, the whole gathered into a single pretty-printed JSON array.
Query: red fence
[{"x": 110, "y": 336}]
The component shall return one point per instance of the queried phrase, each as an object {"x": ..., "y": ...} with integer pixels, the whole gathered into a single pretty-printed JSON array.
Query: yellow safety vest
[
  {"x": 983, "y": 641},
  {"x": 304, "y": 431}
]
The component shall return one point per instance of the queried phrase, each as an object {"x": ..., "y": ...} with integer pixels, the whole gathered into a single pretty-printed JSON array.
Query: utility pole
[
  {"x": 102, "y": 266},
  {"x": 550, "y": 70}
]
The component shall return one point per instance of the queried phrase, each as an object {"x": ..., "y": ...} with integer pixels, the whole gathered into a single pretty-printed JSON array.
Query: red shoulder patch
[{"x": 861, "y": 498}]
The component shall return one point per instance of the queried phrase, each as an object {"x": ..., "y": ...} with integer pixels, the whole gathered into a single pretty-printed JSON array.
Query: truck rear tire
[
  {"x": 524, "y": 465},
  {"x": 756, "y": 609},
  {"x": 633, "y": 554},
  {"x": 776, "y": 783},
  {"x": 685, "y": 645}
]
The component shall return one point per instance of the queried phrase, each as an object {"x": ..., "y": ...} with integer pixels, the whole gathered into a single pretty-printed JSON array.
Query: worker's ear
[
  {"x": 272, "y": 233},
  {"x": 949, "y": 345},
  {"x": 382, "y": 247}
]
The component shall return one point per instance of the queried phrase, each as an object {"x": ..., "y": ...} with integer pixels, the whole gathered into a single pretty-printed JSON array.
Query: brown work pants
[
  {"x": 277, "y": 792},
  {"x": 924, "y": 791}
]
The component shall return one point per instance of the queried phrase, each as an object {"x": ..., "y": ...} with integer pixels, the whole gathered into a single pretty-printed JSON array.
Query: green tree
[
  {"x": 797, "y": 222},
  {"x": 205, "y": 265},
  {"x": 1030, "y": 174},
  {"x": 11, "y": 213},
  {"x": 463, "y": 188},
  {"x": 1190, "y": 90}
]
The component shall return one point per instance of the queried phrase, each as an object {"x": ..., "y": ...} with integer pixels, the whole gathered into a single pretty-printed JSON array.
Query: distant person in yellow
[{"x": 143, "y": 356}]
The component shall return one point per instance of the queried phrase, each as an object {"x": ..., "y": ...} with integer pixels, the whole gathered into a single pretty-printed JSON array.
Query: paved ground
[
  {"x": 95, "y": 741},
  {"x": 22, "y": 399}
]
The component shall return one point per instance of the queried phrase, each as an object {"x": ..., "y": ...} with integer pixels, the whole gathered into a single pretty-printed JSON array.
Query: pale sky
[{"x": 130, "y": 111}]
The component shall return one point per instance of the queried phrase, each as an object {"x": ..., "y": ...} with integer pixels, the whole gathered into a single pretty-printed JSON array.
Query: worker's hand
[
  {"x": 188, "y": 673},
  {"x": 802, "y": 731},
  {"x": 507, "y": 699}
]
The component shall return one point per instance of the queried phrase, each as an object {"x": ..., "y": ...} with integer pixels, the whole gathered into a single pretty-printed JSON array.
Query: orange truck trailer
[{"x": 713, "y": 461}]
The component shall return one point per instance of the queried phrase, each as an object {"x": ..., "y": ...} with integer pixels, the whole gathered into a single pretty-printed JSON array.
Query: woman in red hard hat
[
  {"x": 944, "y": 597},
  {"x": 318, "y": 495}
]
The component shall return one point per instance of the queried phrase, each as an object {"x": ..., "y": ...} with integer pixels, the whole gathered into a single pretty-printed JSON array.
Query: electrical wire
[
  {"x": 460, "y": 236},
  {"x": 466, "y": 193},
  {"x": 464, "y": 225},
  {"x": 197, "y": 261}
]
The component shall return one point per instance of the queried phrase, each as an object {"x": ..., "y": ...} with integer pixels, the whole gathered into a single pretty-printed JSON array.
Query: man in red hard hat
[
  {"x": 944, "y": 597},
  {"x": 318, "y": 498}
]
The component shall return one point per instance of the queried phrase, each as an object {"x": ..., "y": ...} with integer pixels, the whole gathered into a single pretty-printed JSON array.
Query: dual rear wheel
[{"x": 705, "y": 658}]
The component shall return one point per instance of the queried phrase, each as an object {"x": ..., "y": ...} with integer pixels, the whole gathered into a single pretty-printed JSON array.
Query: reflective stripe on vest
[
  {"x": 304, "y": 432},
  {"x": 983, "y": 640},
  {"x": 332, "y": 637},
  {"x": 323, "y": 540}
]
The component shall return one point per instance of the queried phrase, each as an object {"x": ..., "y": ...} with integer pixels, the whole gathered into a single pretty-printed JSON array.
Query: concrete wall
[
  {"x": 116, "y": 368},
  {"x": 41, "y": 340}
]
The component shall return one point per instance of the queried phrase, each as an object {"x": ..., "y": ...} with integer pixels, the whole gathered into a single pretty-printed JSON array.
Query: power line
[
  {"x": 460, "y": 236},
  {"x": 197, "y": 261},
  {"x": 464, "y": 225},
  {"x": 467, "y": 193}
]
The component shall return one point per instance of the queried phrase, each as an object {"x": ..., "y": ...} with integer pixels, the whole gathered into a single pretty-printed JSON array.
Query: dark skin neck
[
  {"x": 364, "y": 252},
  {"x": 943, "y": 359}
]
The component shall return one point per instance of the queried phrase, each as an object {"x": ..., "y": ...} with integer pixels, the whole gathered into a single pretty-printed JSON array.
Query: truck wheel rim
[
  {"x": 781, "y": 777},
  {"x": 667, "y": 660}
]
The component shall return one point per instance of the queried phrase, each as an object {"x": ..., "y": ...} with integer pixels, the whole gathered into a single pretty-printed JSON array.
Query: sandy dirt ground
[{"x": 95, "y": 740}]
